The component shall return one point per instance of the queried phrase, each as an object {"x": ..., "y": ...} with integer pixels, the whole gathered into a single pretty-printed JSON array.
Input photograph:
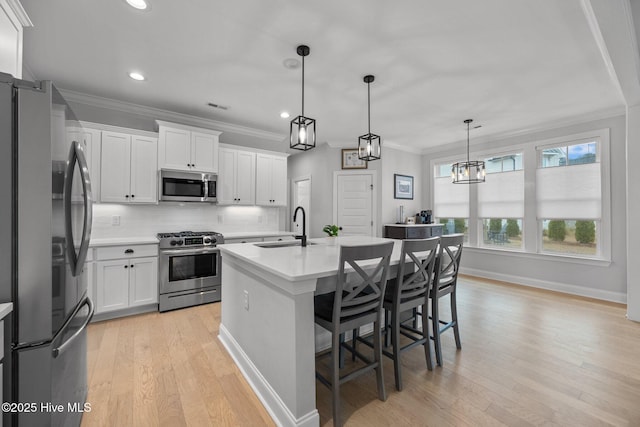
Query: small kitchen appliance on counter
[
  {"x": 189, "y": 269},
  {"x": 424, "y": 217}
]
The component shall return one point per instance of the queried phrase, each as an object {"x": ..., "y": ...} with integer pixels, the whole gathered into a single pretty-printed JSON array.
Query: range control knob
[
  {"x": 173, "y": 242},
  {"x": 180, "y": 242},
  {"x": 213, "y": 240},
  {"x": 207, "y": 240}
]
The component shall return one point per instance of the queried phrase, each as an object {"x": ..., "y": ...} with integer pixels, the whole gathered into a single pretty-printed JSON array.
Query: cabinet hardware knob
[
  {"x": 128, "y": 251},
  {"x": 133, "y": 195},
  {"x": 126, "y": 196},
  {"x": 126, "y": 266},
  {"x": 131, "y": 266}
]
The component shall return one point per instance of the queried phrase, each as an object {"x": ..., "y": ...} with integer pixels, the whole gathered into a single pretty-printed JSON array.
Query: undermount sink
[{"x": 283, "y": 244}]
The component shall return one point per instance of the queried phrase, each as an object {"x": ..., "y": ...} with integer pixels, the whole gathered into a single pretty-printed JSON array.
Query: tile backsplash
[{"x": 147, "y": 220}]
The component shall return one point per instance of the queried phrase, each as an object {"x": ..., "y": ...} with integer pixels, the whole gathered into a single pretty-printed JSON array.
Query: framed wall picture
[
  {"x": 403, "y": 187},
  {"x": 350, "y": 159}
]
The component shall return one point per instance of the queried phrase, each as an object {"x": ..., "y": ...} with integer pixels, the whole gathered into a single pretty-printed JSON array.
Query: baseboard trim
[
  {"x": 566, "y": 288},
  {"x": 279, "y": 412},
  {"x": 149, "y": 308}
]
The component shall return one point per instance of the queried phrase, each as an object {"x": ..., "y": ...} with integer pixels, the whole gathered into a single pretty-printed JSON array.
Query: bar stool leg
[
  {"x": 395, "y": 327},
  {"x": 377, "y": 348},
  {"x": 435, "y": 322},
  {"x": 354, "y": 340},
  {"x": 335, "y": 376},
  {"x": 425, "y": 335},
  {"x": 454, "y": 318}
]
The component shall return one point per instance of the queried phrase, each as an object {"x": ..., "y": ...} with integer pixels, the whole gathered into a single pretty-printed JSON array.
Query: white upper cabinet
[
  {"x": 129, "y": 172},
  {"x": 187, "y": 148},
  {"x": 271, "y": 180},
  {"x": 12, "y": 20},
  {"x": 236, "y": 178}
]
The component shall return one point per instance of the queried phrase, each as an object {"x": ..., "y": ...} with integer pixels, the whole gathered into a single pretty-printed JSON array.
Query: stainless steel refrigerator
[{"x": 45, "y": 227}]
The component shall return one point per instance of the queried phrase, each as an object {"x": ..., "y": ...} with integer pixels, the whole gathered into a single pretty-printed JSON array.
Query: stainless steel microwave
[{"x": 176, "y": 186}]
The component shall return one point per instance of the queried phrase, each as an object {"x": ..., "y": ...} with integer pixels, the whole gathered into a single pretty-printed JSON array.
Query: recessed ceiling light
[
  {"x": 138, "y": 4},
  {"x": 136, "y": 76},
  {"x": 284, "y": 115},
  {"x": 291, "y": 63}
]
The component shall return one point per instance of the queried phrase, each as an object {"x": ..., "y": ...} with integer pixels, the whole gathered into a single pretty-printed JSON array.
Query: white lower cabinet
[{"x": 128, "y": 281}]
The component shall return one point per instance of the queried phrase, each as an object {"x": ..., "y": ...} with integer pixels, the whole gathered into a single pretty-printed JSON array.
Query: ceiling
[{"x": 508, "y": 64}]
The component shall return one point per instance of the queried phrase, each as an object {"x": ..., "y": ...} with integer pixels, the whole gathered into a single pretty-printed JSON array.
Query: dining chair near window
[
  {"x": 445, "y": 283},
  {"x": 356, "y": 302}
]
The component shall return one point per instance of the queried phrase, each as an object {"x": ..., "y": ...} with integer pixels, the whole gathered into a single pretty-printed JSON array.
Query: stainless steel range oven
[{"x": 189, "y": 269}]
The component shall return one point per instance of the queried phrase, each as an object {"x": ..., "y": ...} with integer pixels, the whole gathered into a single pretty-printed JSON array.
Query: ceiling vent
[{"x": 218, "y": 106}]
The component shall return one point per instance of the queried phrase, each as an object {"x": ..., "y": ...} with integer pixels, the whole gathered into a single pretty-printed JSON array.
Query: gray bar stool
[
  {"x": 408, "y": 292},
  {"x": 445, "y": 282},
  {"x": 355, "y": 303}
]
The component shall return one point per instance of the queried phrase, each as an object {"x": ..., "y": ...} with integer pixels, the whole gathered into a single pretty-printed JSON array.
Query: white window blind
[
  {"x": 502, "y": 195},
  {"x": 450, "y": 200},
  {"x": 572, "y": 192}
]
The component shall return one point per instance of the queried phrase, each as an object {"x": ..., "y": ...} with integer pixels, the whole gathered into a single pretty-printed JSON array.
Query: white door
[
  {"x": 143, "y": 281},
  {"x": 264, "y": 168},
  {"x": 227, "y": 177},
  {"x": 175, "y": 149},
  {"x": 203, "y": 153},
  {"x": 279, "y": 181},
  {"x": 355, "y": 205},
  {"x": 144, "y": 169},
  {"x": 115, "y": 167},
  {"x": 301, "y": 197},
  {"x": 245, "y": 178},
  {"x": 112, "y": 285}
]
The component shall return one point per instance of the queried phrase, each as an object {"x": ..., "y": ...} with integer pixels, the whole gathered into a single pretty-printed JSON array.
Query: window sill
[{"x": 600, "y": 262}]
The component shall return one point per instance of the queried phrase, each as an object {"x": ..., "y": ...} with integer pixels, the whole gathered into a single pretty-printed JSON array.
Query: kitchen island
[{"x": 267, "y": 320}]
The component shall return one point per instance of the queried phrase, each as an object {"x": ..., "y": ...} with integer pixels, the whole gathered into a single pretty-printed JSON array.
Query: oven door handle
[{"x": 189, "y": 252}]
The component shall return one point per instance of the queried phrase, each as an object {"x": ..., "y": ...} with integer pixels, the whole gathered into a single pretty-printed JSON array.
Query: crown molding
[
  {"x": 19, "y": 12},
  {"x": 536, "y": 128},
  {"x": 170, "y": 116}
]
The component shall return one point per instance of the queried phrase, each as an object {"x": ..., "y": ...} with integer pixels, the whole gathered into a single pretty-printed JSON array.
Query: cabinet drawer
[
  {"x": 130, "y": 251},
  {"x": 247, "y": 240},
  {"x": 278, "y": 238},
  {"x": 418, "y": 233}
]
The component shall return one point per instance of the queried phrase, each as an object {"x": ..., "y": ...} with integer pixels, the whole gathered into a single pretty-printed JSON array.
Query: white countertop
[
  {"x": 5, "y": 309},
  {"x": 118, "y": 241},
  {"x": 413, "y": 225},
  {"x": 250, "y": 234},
  {"x": 295, "y": 263}
]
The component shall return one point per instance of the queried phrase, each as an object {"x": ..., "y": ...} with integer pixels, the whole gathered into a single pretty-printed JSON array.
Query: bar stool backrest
[
  {"x": 448, "y": 262},
  {"x": 363, "y": 293},
  {"x": 415, "y": 273}
]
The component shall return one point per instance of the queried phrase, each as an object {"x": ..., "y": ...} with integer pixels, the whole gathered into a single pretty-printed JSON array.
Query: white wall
[
  {"x": 147, "y": 220},
  {"x": 599, "y": 281},
  {"x": 402, "y": 163}
]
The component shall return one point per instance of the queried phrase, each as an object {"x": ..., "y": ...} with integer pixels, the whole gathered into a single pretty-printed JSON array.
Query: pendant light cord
[
  {"x": 369, "y": 106},
  {"x": 303, "y": 85},
  {"x": 468, "y": 143}
]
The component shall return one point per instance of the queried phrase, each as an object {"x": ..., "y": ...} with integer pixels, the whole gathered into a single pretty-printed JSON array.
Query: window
[
  {"x": 501, "y": 202},
  {"x": 451, "y": 202},
  {"x": 569, "y": 198}
]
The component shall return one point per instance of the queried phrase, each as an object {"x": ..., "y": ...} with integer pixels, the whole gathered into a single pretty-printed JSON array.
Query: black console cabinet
[{"x": 416, "y": 231}]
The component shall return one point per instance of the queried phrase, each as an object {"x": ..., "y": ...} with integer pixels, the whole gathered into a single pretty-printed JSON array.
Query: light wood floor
[{"x": 528, "y": 358}]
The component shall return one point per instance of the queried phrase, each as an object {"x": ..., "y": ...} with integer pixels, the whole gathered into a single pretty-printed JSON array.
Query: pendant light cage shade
[
  {"x": 369, "y": 144},
  {"x": 471, "y": 171},
  {"x": 302, "y": 133},
  {"x": 369, "y": 147},
  {"x": 302, "y": 129}
]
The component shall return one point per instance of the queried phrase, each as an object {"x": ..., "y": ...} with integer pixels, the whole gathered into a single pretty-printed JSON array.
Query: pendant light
[
  {"x": 302, "y": 130},
  {"x": 469, "y": 172},
  {"x": 369, "y": 143}
]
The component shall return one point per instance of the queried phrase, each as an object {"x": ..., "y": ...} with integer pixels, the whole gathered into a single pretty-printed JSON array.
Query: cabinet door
[
  {"x": 264, "y": 165},
  {"x": 115, "y": 167},
  {"x": 143, "y": 281},
  {"x": 144, "y": 169},
  {"x": 112, "y": 285},
  {"x": 227, "y": 176},
  {"x": 89, "y": 276},
  {"x": 246, "y": 178},
  {"x": 174, "y": 149},
  {"x": 204, "y": 152},
  {"x": 279, "y": 181}
]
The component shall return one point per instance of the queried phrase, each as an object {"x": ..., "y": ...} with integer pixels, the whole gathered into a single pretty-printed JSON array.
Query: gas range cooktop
[{"x": 189, "y": 239}]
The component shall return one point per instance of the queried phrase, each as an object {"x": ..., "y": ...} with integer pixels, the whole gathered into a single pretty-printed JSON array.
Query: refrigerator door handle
[
  {"x": 76, "y": 154},
  {"x": 59, "y": 350}
]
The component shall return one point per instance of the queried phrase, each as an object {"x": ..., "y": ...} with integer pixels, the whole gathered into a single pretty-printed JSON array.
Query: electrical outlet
[
  {"x": 246, "y": 300},
  {"x": 115, "y": 220}
]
